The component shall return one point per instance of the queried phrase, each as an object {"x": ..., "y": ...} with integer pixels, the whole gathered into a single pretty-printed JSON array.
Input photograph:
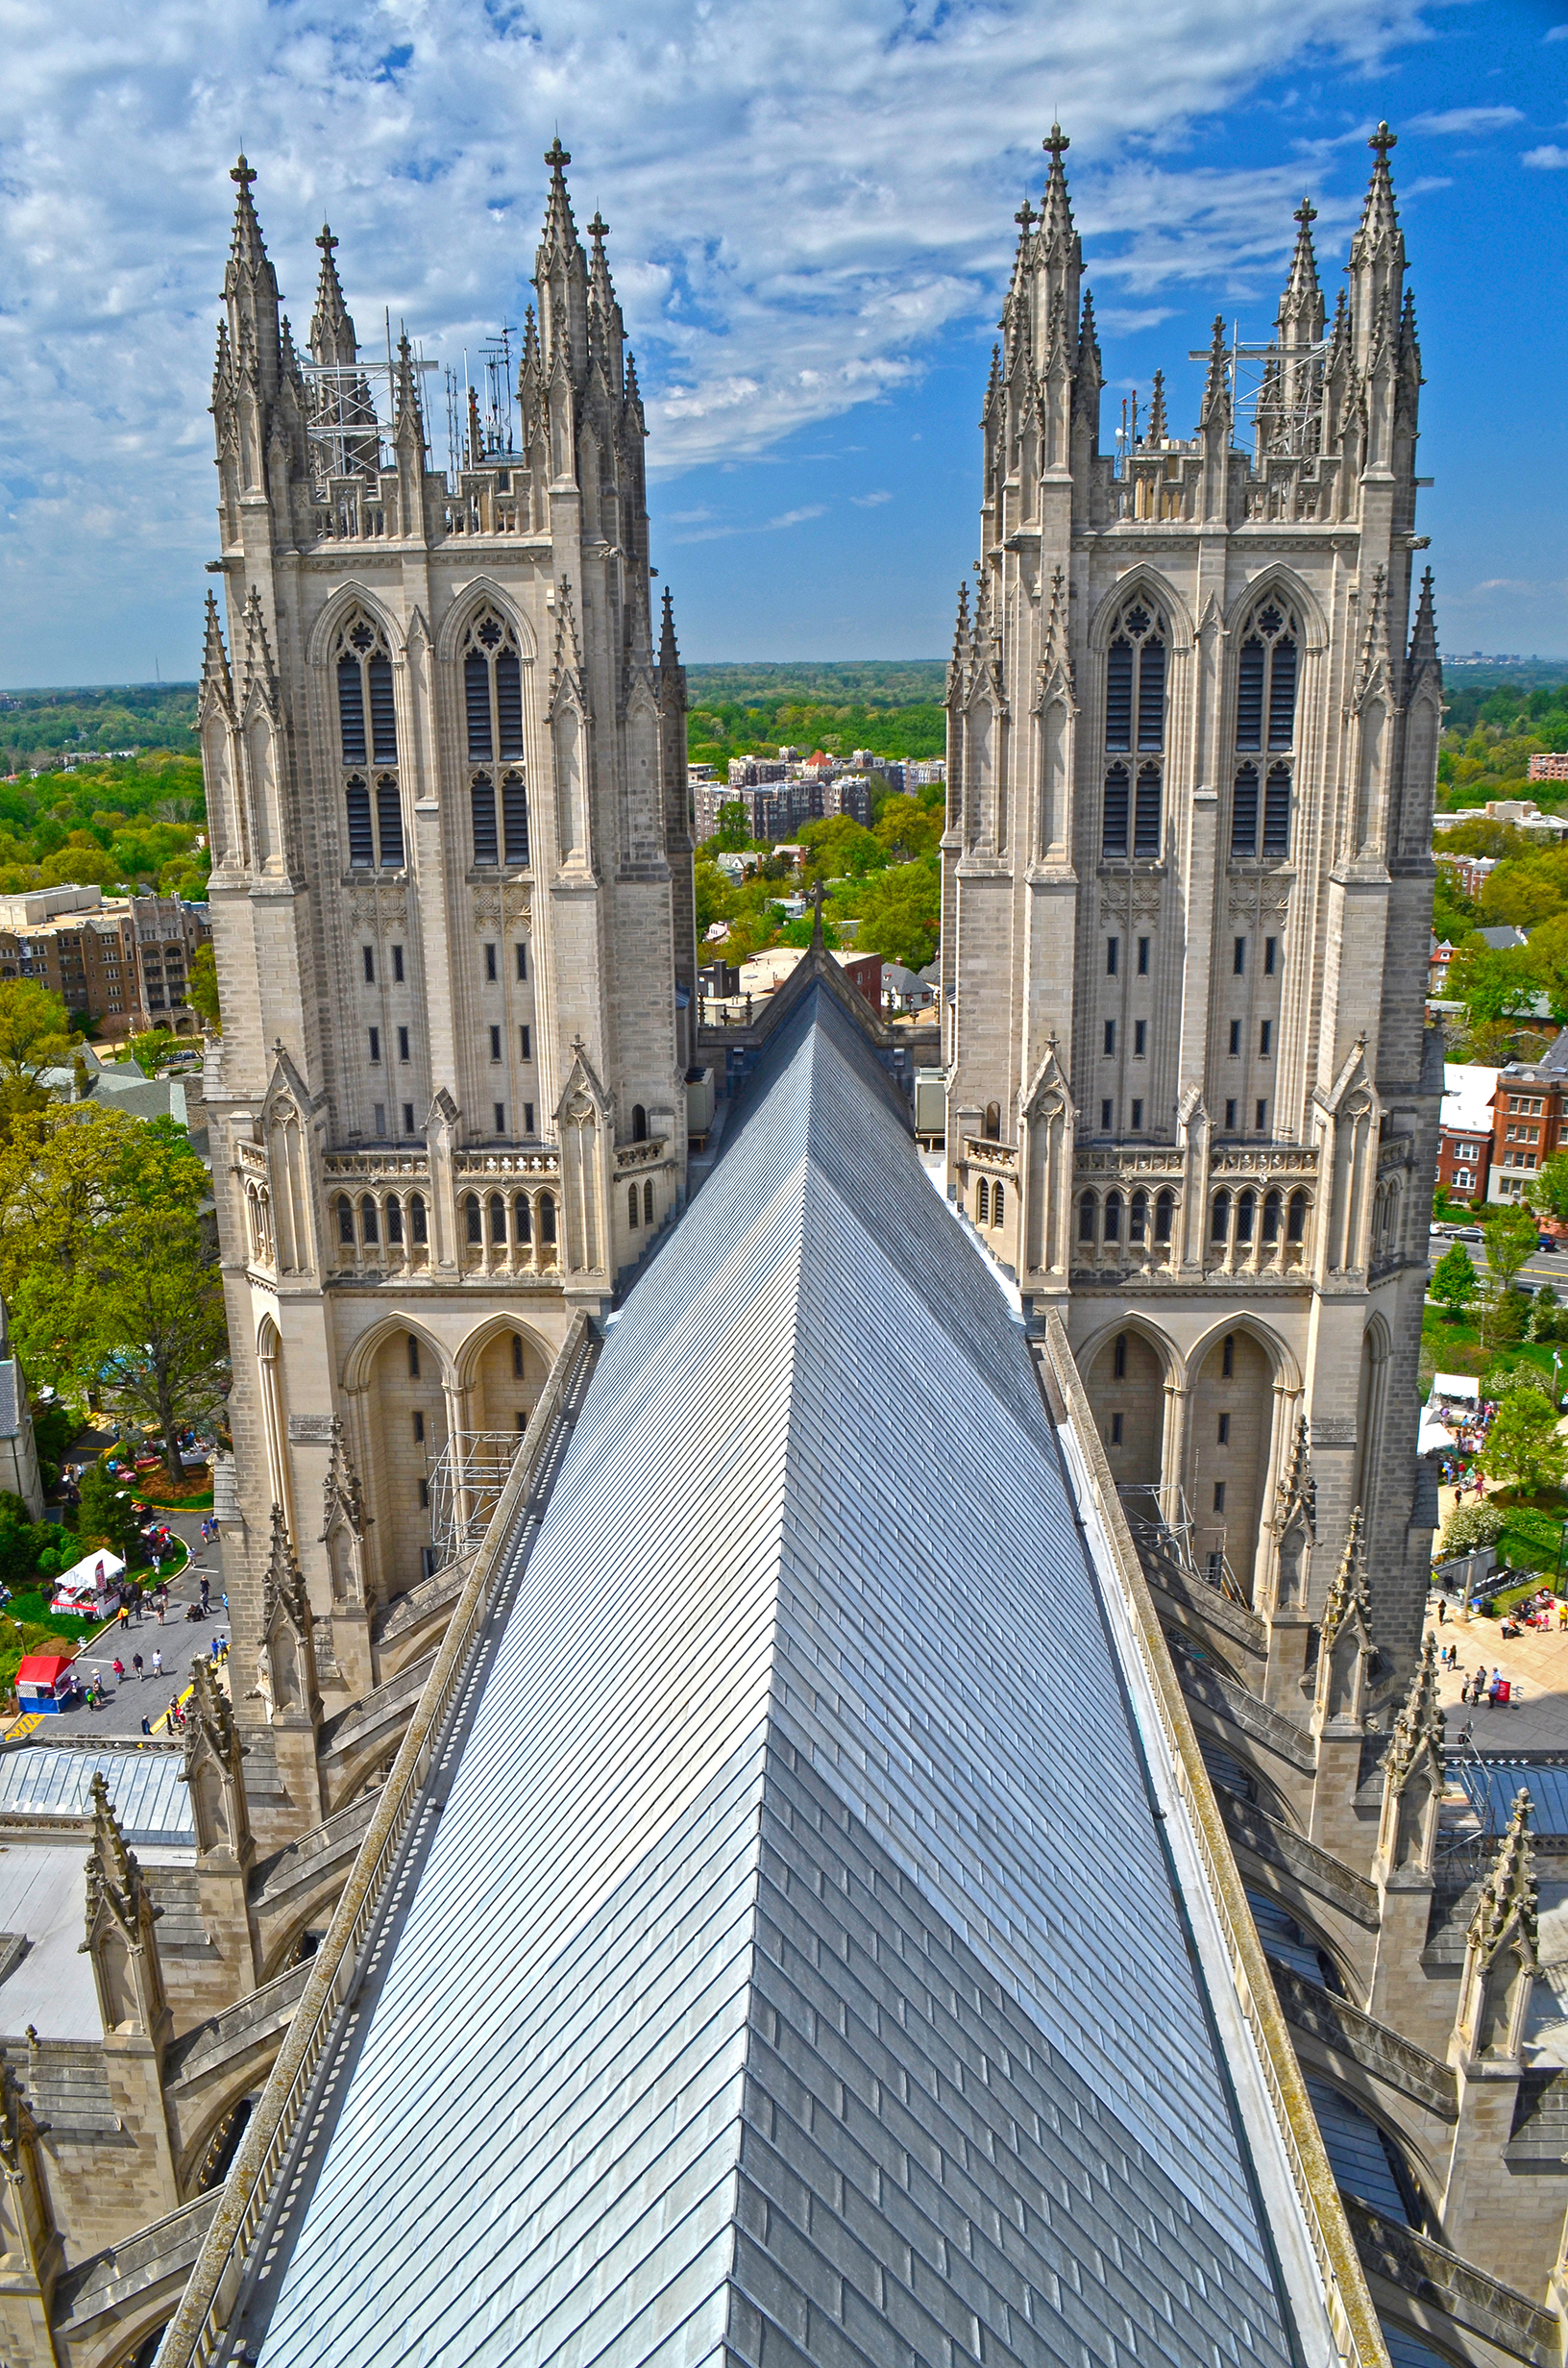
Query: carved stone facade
[
  {"x": 444, "y": 741},
  {"x": 1192, "y": 736}
]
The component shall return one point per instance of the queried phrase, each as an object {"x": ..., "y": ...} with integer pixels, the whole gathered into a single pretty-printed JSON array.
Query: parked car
[{"x": 1545, "y": 1241}]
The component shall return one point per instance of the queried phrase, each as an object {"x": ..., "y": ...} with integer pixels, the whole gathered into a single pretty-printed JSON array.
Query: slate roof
[
  {"x": 148, "y": 1790},
  {"x": 797, "y": 1959}
]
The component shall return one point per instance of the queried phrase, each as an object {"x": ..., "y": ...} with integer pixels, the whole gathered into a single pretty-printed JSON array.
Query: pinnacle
[
  {"x": 1380, "y": 218},
  {"x": 331, "y": 331},
  {"x": 248, "y": 247},
  {"x": 1158, "y": 431},
  {"x": 1347, "y": 1595},
  {"x": 1056, "y": 229},
  {"x": 1301, "y": 306},
  {"x": 1088, "y": 343},
  {"x": 668, "y": 654},
  {"x": 1509, "y": 1891},
  {"x": 560, "y": 230},
  {"x": 1424, "y": 632},
  {"x": 961, "y": 635},
  {"x": 1216, "y": 392}
]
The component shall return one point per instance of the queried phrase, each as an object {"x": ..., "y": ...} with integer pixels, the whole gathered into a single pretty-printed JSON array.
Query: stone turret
[
  {"x": 1402, "y": 1864},
  {"x": 1338, "y": 1721},
  {"x": 225, "y": 1847},
  {"x": 135, "y": 2010},
  {"x": 285, "y": 1674}
]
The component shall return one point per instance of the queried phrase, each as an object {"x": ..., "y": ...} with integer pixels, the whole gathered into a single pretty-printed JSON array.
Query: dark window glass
[
  {"x": 1235, "y": 1039},
  {"x": 1260, "y": 1118},
  {"x": 1244, "y": 1209},
  {"x": 1230, "y": 1118},
  {"x": 1118, "y": 695},
  {"x": 1238, "y": 957},
  {"x": 1281, "y": 697},
  {"x": 1270, "y": 945},
  {"x": 1297, "y": 1228},
  {"x": 497, "y": 1218},
  {"x": 389, "y": 822},
  {"x": 1114, "y": 836},
  {"x": 370, "y": 962},
  {"x": 648, "y": 1201},
  {"x": 416, "y": 1211},
  {"x": 1112, "y": 949},
  {"x": 397, "y": 964},
  {"x": 1138, "y": 1218},
  {"x": 477, "y": 699},
  {"x": 1142, "y": 957},
  {"x": 501, "y": 1117},
  {"x": 350, "y": 710},
  {"x": 1265, "y": 1037},
  {"x": 402, "y": 1044},
  {"x": 1228, "y": 1362},
  {"x": 1244, "y": 812},
  {"x": 1113, "y": 1216},
  {"x": 384, "y": 721},
  {"x": 482, "y": 793},
  {"x": 633, "y": 1216},
  {"x": 509, "y": 704},
  {"x": 1165, "y": 1209},
  {"x": 982, "y": 1202},
  {"x": 525, "y": 1042},
  {"x": 490, "y": 967},
  {"x": 522, "y": 961},
  {"x": 345, "y": 1222},
  {"x": 639, "y": 1121},
  {"x": 547, "y": 1216},
  {"x": 394, "y": 1221},
  {"x": 472, "y": 1217},
  {"x": 368, "y": 1225},
  {"x": 1219, "y": 1496},
  {"x": 374, "y": 1044},
  {"x": 1277, "y": 811},
  {"x": 1272, "y": 1206},
  {"x": 1219, "y": 1221},
  {"x": 1140, "y": 1030},
  {"x": 517, "y": 1347},
  {"x": 361, "y": 836},
  {"x": 521, "y": 1219},
  {"x": 1147, "y": 819},
  {"x": 1138, "y": 1118},
  {"x": 1086, "y": 1217},
  {"x": 408, "y": 1118},
  {"x": 1109, "y": 1035},
  {"x": 1105, "y": 1118},
  {"x": 1151, "y": 695},
  {"x": 514, "y": 813},
  {"x": 1249, "y": 696},
  {"x": 418, "y": 1430}
]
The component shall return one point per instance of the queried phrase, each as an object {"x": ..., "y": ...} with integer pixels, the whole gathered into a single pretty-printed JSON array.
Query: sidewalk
[
  {"x": 177, "y": 1639},
  {"x": 1536, "y": 1666}
]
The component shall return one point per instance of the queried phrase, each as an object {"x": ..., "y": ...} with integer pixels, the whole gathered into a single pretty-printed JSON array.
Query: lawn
[{"x": 1457, "y": 1348}]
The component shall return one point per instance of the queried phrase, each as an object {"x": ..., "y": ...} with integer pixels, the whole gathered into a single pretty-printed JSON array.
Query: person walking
[
  {"x": 123, "y": 1615},
  {"x": 1442, "y": 1611},
  {"x": 137, "y": 1664},
  {"x": 157, "y": 1661}
]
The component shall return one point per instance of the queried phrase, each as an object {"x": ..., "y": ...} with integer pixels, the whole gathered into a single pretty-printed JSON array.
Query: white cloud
[
  {"x": 1460, "y": 123},
  {"x": 1547, "y": 160},
  {"x": 797, "y": 517},
  {"x": 787, "y": 243},
  {"x": 1555, "y": 33},
  {"x": 870, "y": 501}
]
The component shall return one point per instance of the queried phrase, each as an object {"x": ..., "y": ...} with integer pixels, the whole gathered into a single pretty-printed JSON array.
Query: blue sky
[{"x": 811, "y": 224}]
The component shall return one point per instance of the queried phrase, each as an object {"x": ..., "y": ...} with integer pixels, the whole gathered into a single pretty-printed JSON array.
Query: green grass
[
  {"x": 31, "y": 1606},
  {"x": 1457, "y": 1348}
]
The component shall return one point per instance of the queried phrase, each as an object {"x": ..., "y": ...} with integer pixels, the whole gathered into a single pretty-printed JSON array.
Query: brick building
[
  {"x": 123, "y": 959},
  {"x": 1464, "y": 1144},
  {"x": 1529, "y": 1118}
]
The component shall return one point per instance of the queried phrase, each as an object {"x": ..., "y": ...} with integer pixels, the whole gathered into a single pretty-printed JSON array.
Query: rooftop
[{"x": 804, "y": 1798}]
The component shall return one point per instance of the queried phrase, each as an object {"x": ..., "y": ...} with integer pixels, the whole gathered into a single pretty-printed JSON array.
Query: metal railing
[
  {"x": 196, "y": 2333},
  {"x": 1346, "y": 2297}
]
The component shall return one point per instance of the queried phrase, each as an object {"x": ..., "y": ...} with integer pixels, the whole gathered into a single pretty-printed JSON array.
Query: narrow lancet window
[{"x": 1135, "y": 718}]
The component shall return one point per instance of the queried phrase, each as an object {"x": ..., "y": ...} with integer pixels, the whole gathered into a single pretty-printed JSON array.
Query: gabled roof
[{"x": 798, "y": 1886}]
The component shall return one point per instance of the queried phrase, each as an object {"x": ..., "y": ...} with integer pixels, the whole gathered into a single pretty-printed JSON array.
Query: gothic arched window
[
  {"x": 1134, "y": 722},
  {"x": 345, "y": 1221},
  {"x": 1244, "y": 1208},
  {"x": 493, "y": 722},
  {"x": 1164, "y": 1210},
  {"x": 367, "y": 725},
  {"x": 1273, "y": 1204},
  {"x": 997, "y": 1203},
  {"x": 547, "y": 1216},
  {"x": 1266, "y": 720},
  {"x": 472, "y": 1217},
  {"x": 1296, "y": 1230},
  {"x": 982, "y": 1202},
  {"x": 416, "y": 1216},
  {"x": 1086, "y": 1216},
  {"x": 648, "y": 1202},
  {"x": 1113, "y": 1217},
  {"x": 1219, "y": 1223},
  {"x": 638, "y": 1123},
  {"x": 521, "y": 1219},
  {"x": 1138, "y": 1218},
  {"x": 497, "y": 1218},
  {"x": 368, "y": 1225},
  {"x": 632, "y": 1212}
]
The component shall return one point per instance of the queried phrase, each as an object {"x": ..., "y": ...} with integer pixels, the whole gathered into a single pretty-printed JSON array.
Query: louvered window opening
[
  {"x": 365, "y": 695},
  {"x": 493, "y": 710},
  {"x": 1267, "y": 674},
  {"x": 1132, "y": 819}
]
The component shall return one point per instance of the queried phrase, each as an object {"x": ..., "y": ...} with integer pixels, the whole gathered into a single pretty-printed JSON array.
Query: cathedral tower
[
  {"x": 444, "y": 744},
  {"x": 1192, "y": 739}
]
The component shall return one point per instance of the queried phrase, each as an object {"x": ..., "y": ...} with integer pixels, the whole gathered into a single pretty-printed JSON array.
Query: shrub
[
  {"x": 1502, "y": 1378},
  {"x": 1470, "y": 1525}
]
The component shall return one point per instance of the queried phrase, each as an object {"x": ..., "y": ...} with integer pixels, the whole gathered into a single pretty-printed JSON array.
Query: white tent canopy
[{"x": 1464, "y": 1387}]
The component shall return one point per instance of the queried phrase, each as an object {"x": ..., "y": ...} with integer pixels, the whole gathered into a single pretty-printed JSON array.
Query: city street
[
  {"x": 1544, "y": 1267},
  {"x": 177, "y": 1638}
]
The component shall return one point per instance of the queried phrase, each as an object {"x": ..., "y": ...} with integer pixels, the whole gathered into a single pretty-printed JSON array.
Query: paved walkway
[
  {"x": 178, "y": 1640},
  {"x": 1536, "y": 1666}
]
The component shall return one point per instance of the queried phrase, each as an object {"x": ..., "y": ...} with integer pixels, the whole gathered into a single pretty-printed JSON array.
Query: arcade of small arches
[
  {"x": 511, "y": 1233},
  {"x": 1251, "y": 1229}
]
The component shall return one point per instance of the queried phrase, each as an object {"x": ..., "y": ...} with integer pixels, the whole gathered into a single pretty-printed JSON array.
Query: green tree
[
  {"x": 34, "y": 1032},
  {"x": 154, "y": 1331},
  {"x": 906, "y": 828},
  {"x": 1548, "y": 1188},
  {"x": 840, "y": 846},
  {"x": 900, "y": 914},
  {"x": 734, "y": 829},
  {"x": 1454, "y": 1281},
  {"x": 1512, "y": 1238},
  {"x": 1492, "y": 982},
  {"x": 203, "y": 989},
  {"x": 1525, "y": 1449},
  {"x": 150, "y": 1050},
  {"x": 107, "y": 1516}
]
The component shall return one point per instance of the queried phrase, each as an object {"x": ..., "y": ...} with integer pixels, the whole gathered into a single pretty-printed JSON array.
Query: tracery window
[
  {"x": 367, "y": 725},
  {"x": 1132, "y": 810},
  {"x": 1265, "y": 724},
  {"x": 493, "y": 720}
]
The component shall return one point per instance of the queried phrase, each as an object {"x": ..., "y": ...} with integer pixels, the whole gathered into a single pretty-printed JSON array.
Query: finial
[
  {"x": 1025, "y": 215},
  {"x": 244, "y": 174},
  {"x": 327, "y": 242},
  {"x": 599, "y": 229},
  {"x": 1058, "y": 142},
  {"x": 1382, "y": 140},
  {"x": 556, "y": 157},
  {"x": 1306, "y": 212},
  {"x": 817, "y": 895}
]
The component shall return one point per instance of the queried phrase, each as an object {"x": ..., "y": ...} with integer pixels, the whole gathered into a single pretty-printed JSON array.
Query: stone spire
[
  {"x": 1500, "y": 1960},
  {"x": 1158, "y": 431},
  {"x": 1056, "y": 250},
  {"x": 119, "y": 1935},
  {"x": 1424, "y": 631},
  {"x": 1344, "y": 1649},
  {"x": 1377, "y": 654},
  {"x": 1215, "y": 411},
  {"x": 668, "y": 654},
  {"x": 1301, "y": 313},
  {"x": 1418, "y": 1730},
  {"x": 283, "y": 1588},
  {"x": 217, "y": 684},
  {"x": 561, "y": 276},
  {"x": 332, "y": 337},
  {"x": 1056, "y": 655},
  {"x": 1508, "y": 1901},
  {"x": 1377, "y": 257},
  {"x": 250, "y": 289},
  {"x": 603, "y": 307}
]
